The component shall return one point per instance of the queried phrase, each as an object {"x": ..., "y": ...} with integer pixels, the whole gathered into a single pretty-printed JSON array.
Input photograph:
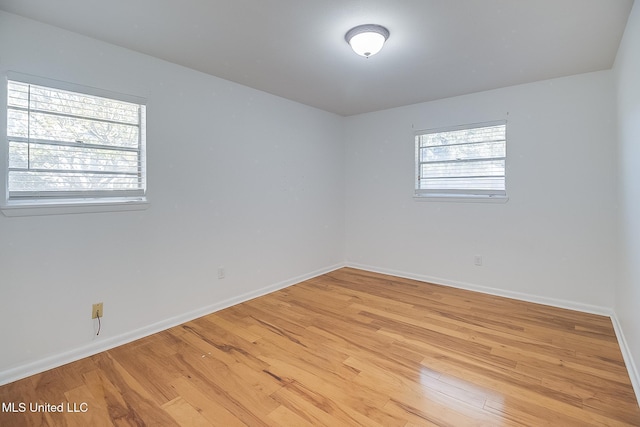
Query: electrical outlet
[
  {"x": 477, "y": 260},
  {"x": 220, "y": 272},
  {"x": 97, "y": 311}
]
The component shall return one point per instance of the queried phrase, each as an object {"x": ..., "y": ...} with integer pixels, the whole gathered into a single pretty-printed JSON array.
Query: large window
[
  {"x": 73, "y": 145},
  {"x": 465, "y": 161}
]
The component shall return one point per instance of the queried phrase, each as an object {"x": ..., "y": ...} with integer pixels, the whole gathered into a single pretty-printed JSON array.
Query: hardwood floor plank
[
  {"x": 243, "y": 399},
  {"x": 185, "y": 414},
  {"x": 525, "y": 413},
  {"x": 203, "y": 402},
  {"x": 96, "y": 411},
  {"x": 313, "y": 411},
  {"x": 283, "y": 416},
  {"x": 551, "y": 399},
  {"x": 110, "y": 397},
  {"x": 351, "y": 348},
  {"x": 334, "y": 408},
  {"x": 428, "y": 412},
  {"x": 143, "y": 406},
  {"x": 17, "y": 393}
]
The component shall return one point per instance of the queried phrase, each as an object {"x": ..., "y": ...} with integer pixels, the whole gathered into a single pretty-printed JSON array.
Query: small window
[
  {"x": 73, "y": 146},
  {"x": 465, "y": 161}
]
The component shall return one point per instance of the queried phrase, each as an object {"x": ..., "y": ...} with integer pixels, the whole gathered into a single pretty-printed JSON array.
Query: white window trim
[
  {"x": 32, "y": 207},
  {"x": 59, "y": 207},
  {"x": 461, "y": 197},
  {"x": 466, "y": 198}
]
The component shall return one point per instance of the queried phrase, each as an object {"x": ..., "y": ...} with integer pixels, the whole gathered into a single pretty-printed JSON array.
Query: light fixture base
[{"x": 367, "y": 39}]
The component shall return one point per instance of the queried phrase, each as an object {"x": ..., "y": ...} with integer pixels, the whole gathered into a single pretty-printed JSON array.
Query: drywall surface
[
  {"x": 627, "y": 298},
  {"x": 553, "y": 241},
  {"x": 236, "y": 178}
]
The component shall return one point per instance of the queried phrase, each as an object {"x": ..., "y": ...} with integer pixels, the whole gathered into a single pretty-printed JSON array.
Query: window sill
[
  {"x": 61, "y": 207},
  {"x": 459, "y": 198}
]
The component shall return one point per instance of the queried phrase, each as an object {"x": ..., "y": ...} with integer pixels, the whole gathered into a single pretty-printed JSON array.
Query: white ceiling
[{"x": 296, "y": 48}]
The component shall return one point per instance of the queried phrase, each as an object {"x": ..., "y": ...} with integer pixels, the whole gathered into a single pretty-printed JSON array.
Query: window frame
[
  {"x": 31, "y": 203},
  {"x": 458, "y": 195}
]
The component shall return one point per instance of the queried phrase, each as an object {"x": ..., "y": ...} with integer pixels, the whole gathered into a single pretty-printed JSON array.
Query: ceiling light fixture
[{"x": 367, "y": 40}]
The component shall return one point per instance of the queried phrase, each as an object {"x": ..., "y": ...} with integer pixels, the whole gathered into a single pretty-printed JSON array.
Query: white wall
[
  {"x": 275, "y": 191},
  {"x": 627, "y": 298},
  {"x": 236, "y": 177},
  {"x": 553, "y": 241}
]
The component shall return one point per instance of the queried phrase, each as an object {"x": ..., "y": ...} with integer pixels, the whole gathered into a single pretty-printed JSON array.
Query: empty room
[{"x": 320, "y": 213}]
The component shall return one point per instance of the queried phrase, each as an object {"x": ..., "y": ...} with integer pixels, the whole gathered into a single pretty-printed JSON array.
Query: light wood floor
[{"x": 352, "y": 348}]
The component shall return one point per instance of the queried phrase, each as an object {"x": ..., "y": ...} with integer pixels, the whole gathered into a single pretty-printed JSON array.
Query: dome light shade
[{"x": 367, "y": 40}]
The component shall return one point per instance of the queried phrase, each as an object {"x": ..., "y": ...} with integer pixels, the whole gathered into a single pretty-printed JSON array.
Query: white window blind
[
  {"x": 464, "y": 161},
  {"x": 73, "y": 145}
]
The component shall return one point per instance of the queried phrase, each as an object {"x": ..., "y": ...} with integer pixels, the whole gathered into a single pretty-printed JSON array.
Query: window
[
  {"x": 73, "y": 146},
  {"x": 465, "y": 161}
]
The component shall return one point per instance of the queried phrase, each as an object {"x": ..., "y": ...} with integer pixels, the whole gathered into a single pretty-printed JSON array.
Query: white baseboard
[
  {"x": 555, "y": 302},
  {"x": 81, "y": 352},
  {"x": 626, "y": 354}
]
